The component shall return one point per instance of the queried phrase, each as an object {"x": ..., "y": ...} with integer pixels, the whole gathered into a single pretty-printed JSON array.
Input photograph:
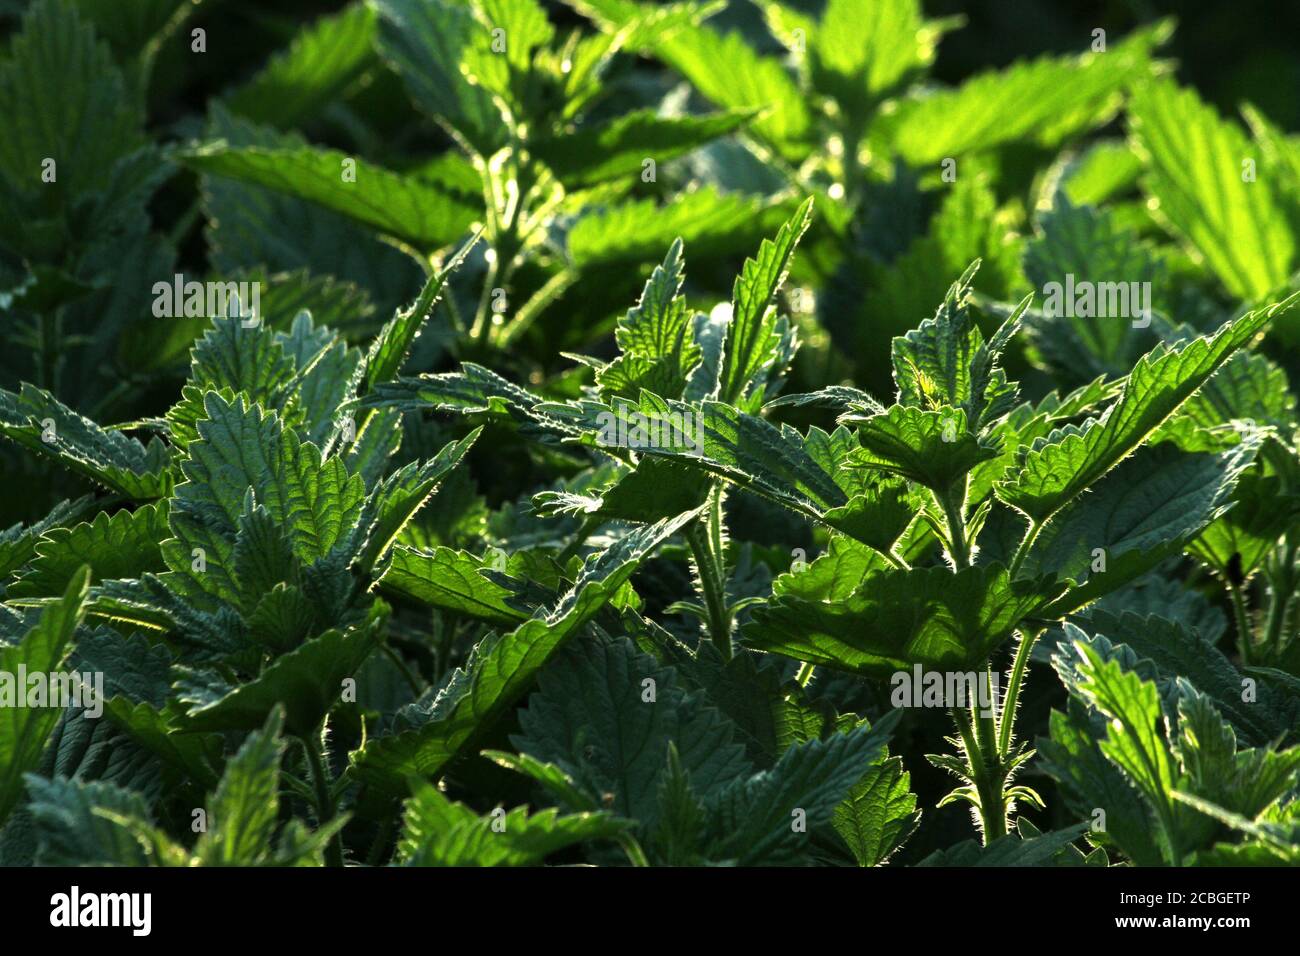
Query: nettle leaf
[
  {"x": 751, "y": 820},
  {"x": 421, "y": 212},
  {"x": 934, "y": 448},
  {"x": 1090, "y": 782},
  {"x": 18, "y": 542},
  {"x": 753, "y": 341},
  {"x": 1044, "y": 100},
  {"x": 894, "y": 619},
  {"x": 945, "y": 360},
  {"x": 710, "y": 222},
  {"x": 656, "y": 338},
  {"x": 307, "y": 682},
  {"x": 472, "y": 390},
  {"x": 862, "y": 50},
  {"x": 1080, "y": 244},
  {"x": 316, "y": 69},
  {"x": 1015, "y": 849},
  {"x": 454, "y": 581},
  {"x": 1249, "y": 391},
  {"x": 501, "y": 668},
  {"x": 121, "y": 545},
  {"x": 728, "y": 71},
  {"x": 1194, "y": 172},
  {"x": 879, "y": 813},
  {"x": 1135, "y": 739},
  {"x": 438, "y": 832},
  {"x": 616, "y": 149},
  {"x": 64, "y": 99},
  {"x": 426, "y": 42},
  {"x": 1143, "y": 512},
  {"x": 71, "y": 830},
  {"x": 1054, "y": 470},
  {"x": 606, "y": 714},
  {"x": 393, "y": 343},
  {"x": 41, "y": 649},
  {"x": 41, "y": 423},
  {"x": 243, "y": 448},
  {"x": 715, "y": 437}
]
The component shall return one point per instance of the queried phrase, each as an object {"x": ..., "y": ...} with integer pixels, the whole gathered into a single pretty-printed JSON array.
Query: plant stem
[
  {"x": 705, "y": 540},
  {"x": 325, "y": 810},
  {"x": 1281, "y": 589},
  {"x": 1241, "y": 616},
  {"x": 382, "y": 839},
  {"x": 805, "y": 673},
  {"x": 952, "y": 504},
  {"x": 1011, "y": 702},
  {"x": 554, "y": 287},
  {"x": 1021, "y": 552}
]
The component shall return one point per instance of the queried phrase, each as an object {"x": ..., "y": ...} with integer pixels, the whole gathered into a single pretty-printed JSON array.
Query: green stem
[
  {"x": 325, "y": 810},
  {"x": 1021, "y": 552},
  {"x": 705, "y": 540},
  {"x": 554, "y": 287},
  {"x": 1012, "y": 700},
  {"x": 805, "y": 673},
  {"x": 1281, "y": 589},
  {"x": 1241, "y": 616},
  {"x": 952, "y": 509},
  {"x": 382, "y": 839}
]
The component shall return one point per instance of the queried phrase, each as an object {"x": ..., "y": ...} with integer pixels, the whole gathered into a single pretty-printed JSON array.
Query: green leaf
[
  {"x": 242, "y": 448},
  {"x": 245, "y": 809},
  {"x": 728, "y": 71},
  {"x": 41, "y": 423},
  {"x": 400, "y": 496},
  {"x": 895, "y": 619},
  {"x": 393, "y": 343},
  {"x": 308, "y": 682},
  {"x": 64, "y": 100},
  {"x": 753, "y": 820},
  {"x": 1135, "y": 737},
  {"x": 438, "y": 832},
  {"x": 863, "y": 49},
  {"x": 1079, "y": 244},
  {"x": 426, "y": 42},
  {"x": 452, "y": 580},
  {"x": 69, "y": 831},
  {"x": 425, "y": 214},
  {"x": 655, "y": 337},
  {"x": 502, "y": 668},
  {"x": 934, "y": 448},
  {"x": 1010, "y": 850},
  {"x": 122, "y": 545},
  {"x": 18, "y": 542},
  {"x": 616, "y": 149},
  {"x": 1194, "y": 173},
  {"x": 1044, "y": 100},
  {"x": 1054, "y": 470},
  {"x": 632, "y": 233},
  {"x": 1140, "y": 514},
  {"x": 605, "y": 714},
  {"x": 314, "y": 71},
  {"x": 879, "y": 813},
  {"x": 714, "y": 437},
  {"x": 41, "y": 650},
  {"x": 753, "y": 337}
]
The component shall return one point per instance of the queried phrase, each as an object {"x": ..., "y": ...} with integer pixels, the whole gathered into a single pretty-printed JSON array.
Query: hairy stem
[
  {"x": 705, "y": 540},
  {"x": 325, "y": 810},
  {"x": 1011, "y": 702},
  {"x": 1241, "y": 615}
]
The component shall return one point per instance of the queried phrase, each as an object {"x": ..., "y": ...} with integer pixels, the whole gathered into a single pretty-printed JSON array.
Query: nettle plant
[
  {"x": 560, "y": 182},
  {"x": 957, "y": 520}
]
